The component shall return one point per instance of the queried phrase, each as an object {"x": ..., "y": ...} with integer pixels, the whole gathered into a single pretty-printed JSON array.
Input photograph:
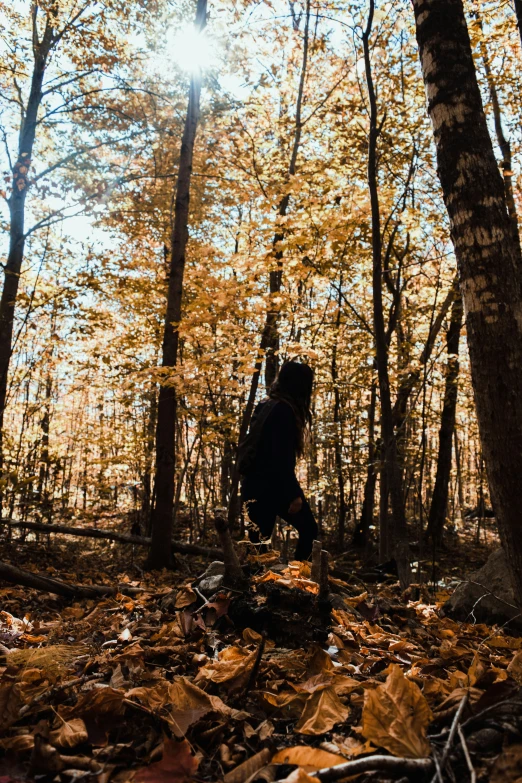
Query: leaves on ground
[{"x": 151, "y": 689}]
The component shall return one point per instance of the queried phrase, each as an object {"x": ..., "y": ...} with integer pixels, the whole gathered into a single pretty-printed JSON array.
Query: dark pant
[{"x": 263, "y": 508}]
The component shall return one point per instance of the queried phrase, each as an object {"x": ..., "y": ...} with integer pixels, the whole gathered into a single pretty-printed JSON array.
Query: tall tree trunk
[
  {"x": 488, "y": 256},
  {"x": 162, "y": 518},
  {"x": 16, "y": 203},
  {"x": 391, "y": 476},
  {"x": 276, "y": 275},
  {"x": 439, "y": 501}
]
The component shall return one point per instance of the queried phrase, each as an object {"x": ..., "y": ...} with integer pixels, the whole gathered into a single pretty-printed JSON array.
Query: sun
[{"x": 193, "y": 50}]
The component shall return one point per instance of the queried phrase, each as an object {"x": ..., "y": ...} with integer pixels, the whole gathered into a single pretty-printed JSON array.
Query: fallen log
[
  {"x": 18, "y": 576},
  {"x": 125, "y": 538}
]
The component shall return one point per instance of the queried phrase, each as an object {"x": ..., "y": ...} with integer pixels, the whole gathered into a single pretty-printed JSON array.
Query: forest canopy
[
  {"x": 81, "y": 398},
  {"x": 261, "y": 306}
]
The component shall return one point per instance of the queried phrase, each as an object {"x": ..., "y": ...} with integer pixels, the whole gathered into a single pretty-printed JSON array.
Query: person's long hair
[{"x": 293, "y": 385}]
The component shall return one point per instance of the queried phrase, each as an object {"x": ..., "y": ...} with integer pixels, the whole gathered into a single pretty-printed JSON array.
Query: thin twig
[
  {"x": 255, "y": 668},
  {"x": 471, "y": 768},
  {"x": 371, "y": 763},
  {"x": 451, "y": 737}
]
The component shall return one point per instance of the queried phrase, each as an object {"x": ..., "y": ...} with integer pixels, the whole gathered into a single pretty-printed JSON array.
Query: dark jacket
[{"x": 273, "y": 468}]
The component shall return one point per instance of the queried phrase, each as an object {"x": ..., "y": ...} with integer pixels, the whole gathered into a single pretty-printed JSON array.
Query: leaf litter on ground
[{"x": 164, "y": 687}]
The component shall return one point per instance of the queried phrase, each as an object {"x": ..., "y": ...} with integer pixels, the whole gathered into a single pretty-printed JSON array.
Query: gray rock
[
  {"x": 487, "y": 596},
  {"x": 212, "y": 579}
]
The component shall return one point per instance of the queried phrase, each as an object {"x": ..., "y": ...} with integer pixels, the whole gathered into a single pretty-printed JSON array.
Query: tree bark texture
[
  {"x": 162, "y": 518},
  {"x": 488, "y": 256},
  {"x": 16, "y": 203},
  {"x": 439, "y": 501},
  {"x": 395, "y": 537}
]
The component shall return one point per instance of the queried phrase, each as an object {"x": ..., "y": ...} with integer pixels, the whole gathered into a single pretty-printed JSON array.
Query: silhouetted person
[{"x": 277, "y": 433}]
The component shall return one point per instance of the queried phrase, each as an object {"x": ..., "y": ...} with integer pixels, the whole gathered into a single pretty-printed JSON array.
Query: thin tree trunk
[
  {"x": 410, "y": 380},
  {"x": 360, "y": 536},
  {"x": 270, "y": 336},
  {"x": 458, "y": 464},
  {"x": 503, "y": 142},
  {"x": 276, "y": 275},
  {"x": 391, "y": 470},
  {"x": 147, "y": 497},
  {"x": 338, "y": 429},
  {"x": 488, "y": 256},
  {"x": 439, "y": 501},
  {"x": 518, "y": 11},
  {"x": 162, "y": 519},
  {"x": 16, "y": 203},
  {"x": 243, "y": 429}
]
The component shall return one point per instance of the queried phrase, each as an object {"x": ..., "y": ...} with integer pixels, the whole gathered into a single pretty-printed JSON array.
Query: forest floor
[{"x": 159, "y": 686}]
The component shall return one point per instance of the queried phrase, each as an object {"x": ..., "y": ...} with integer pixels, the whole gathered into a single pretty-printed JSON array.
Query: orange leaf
[{"x": 308, "y": 758}]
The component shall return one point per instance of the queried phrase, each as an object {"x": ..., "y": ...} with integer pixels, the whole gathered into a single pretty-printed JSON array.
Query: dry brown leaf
[
  {"x": 185, "y": 597},
  {"x": 251, "y": 637},
  {"x": 322, "y": 711},
  {"x": 188, "y": 704},
  {"x": 504, "y": 642},
  {"x": 476, "y": 670},
  {"x": 10, "y": 703},
  {"x": 249, "y": 767},
  {"x": 290, "y": 703},
  {"x": 21, "y": 743},
  {"x": 309, "y": 758},
  {"x": 353, "y": 747},
  {"x": 102, "y": 701},
  {"x": 233, "y": 667},
  {"x": 396, "y": 715},
  {"x": 181, "y": 703},
  {"x": 508, "y": 766},
  {"x": 70, "y": 734},
  {"x": 515, "y": 668},
  {"x": 176, "y": 766},
  {"x": 456, "y": 696}
]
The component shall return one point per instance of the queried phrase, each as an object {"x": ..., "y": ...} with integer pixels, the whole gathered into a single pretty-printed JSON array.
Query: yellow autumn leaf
[{"x": 396, "y": 715}]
